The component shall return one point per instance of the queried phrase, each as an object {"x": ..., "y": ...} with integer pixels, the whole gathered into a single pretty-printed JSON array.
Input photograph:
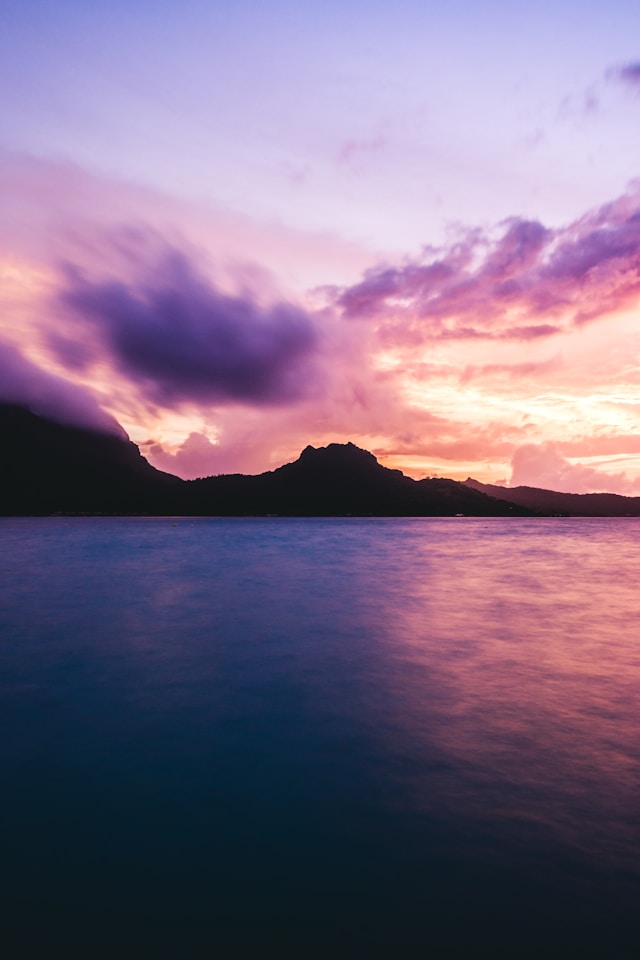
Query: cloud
[
  {"x": 24, "y": 383},
  {"x": 353, "y": 152},
  {"x": 196, "y": 457},
  {"x": 154, "y": 315},
  {"x": 56, "y": 210},
  {"x": 527, "y": 283},
  {"x": 578, "y": 107},
  {"x": 543, "y": 466},
  {"x": 629, "y": 74},
  {"x": 182, "y": 339},
  {"x": 243, "y": 444},
  {"x": 511, "y": 371}
]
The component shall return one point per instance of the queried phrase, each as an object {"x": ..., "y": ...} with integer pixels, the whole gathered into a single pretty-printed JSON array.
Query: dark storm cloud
[{"x": 182, "y": 339}]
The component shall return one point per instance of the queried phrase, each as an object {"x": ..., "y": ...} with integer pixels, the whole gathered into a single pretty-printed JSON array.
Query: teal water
[{"x": 320, "y": 738}]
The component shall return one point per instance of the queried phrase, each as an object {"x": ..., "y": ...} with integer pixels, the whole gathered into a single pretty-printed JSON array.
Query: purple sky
[{"x": 241, "y": 228}]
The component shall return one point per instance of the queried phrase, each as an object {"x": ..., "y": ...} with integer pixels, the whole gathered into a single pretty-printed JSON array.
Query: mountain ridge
[
  {"x": 555, "y": 502},
  {"x": 339, "y": 480},
  {"x": 52, "y": 468}
]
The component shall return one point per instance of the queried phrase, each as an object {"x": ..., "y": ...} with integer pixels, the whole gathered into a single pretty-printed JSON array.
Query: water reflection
[
  {"x": 346, "y": 738},
  {"x": 520, "y": 665}
]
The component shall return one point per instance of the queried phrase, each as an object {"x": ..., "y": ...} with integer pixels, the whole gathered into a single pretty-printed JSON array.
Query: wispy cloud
[
  {"x": 353, "y": 153},
  {"x": 531, "y": 368}
]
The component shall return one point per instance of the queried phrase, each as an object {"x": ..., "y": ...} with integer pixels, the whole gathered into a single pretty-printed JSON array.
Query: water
[{"x": 320, "y": 738}]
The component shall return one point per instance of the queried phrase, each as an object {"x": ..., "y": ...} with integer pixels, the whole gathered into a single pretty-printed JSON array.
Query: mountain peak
[{"x": 348, "y": 449}]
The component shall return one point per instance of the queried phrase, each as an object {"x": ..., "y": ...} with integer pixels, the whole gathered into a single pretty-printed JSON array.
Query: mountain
[
  {"x": 48, "y": 467},
  {"x": 550, "y": 502},
  {"x": 52, "y": 468},
  {"x": 338, "y": 480}
]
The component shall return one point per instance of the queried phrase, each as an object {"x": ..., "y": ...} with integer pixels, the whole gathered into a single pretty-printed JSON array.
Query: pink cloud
[
  {"x": 612, "y": 445},
  {"x": 512, "y": 371},
  {"x": 54, "y": 210},
  {"x": 242, "y": 446},
  {"x": 454, "y": 442},
  {"x": 544, "y": 466},
  {"x": 529, "y": 283},
  {"x": 196, "y": 457},
  {"x": 353, "y": 152}
]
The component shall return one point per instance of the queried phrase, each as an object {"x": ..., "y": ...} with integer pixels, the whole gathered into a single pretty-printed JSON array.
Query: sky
[{"x": 234, "y": 229}]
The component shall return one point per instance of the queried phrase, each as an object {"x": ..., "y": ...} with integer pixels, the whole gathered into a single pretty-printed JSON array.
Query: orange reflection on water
[{"x": 514, "y": 658}]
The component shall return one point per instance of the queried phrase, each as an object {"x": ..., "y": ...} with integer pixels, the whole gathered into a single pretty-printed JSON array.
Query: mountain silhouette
[
  {"x": 48, "y": 467},
  {"x": 551, "y": 502},
  {"x": 338, "y": 480},
  {"x": 52, "y": 468}
]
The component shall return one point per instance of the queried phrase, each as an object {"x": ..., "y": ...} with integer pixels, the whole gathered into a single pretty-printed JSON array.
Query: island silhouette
[{"x": 54, "y": 468}]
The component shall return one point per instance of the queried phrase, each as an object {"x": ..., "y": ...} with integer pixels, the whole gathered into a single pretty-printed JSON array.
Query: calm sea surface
[{"x": 320, "y": 738}]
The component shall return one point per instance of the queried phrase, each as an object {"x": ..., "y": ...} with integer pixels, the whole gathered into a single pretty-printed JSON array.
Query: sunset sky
[{"x": 239, "y": 228}]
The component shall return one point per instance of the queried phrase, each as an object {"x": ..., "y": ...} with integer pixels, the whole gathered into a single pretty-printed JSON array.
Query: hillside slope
[
  {"x": 551, "y": 502},
  {"x": 48, "y": 467}
]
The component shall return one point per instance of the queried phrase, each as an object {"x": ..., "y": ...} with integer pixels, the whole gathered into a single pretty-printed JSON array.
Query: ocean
[{"x": 336, "y": 738}]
